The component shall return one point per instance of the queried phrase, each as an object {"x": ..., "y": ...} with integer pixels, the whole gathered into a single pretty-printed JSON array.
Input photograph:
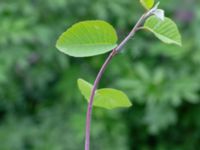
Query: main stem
[
  {"x": 89, "y": 109},
  {"x": 98, "y": 78}
]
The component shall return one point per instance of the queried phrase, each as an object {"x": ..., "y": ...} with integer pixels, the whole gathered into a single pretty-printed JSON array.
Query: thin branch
[
  {"x": 98, "y": 78},
  {"x": 131, "y": 34},
  {"x": 89, "y": 109}
]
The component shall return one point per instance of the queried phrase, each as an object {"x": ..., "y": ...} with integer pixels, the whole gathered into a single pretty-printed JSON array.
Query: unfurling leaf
[
  {"x": 148, "y": 4},
  {"x": 88, "y": 38},
  {"x": 160, "y": 14},
  {"x": 165, "y": 30},
  {"x": 105, "y": 98}
]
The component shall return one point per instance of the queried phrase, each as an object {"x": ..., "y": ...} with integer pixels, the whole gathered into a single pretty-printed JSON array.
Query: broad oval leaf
[
  {"x": 88, "y": 38},
  {"x": 165, "y": 30},
  {"x": 106, "y": 98},
  {"x": 148, "y": 4}
]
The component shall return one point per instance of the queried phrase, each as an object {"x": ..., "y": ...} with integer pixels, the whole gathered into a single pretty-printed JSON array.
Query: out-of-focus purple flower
[{"x": 185, "y": 15}]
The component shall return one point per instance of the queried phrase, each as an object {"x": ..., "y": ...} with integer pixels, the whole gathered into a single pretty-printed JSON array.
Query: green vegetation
[
  {"x": 166, "y": 30},
  {"x": 41, "y": 108},
  {"x": 91, "y": 38},
  {"x": 148, "y": 4},
  {"x": 88, "y": 38},
  {"x": 106, "y": 98}
]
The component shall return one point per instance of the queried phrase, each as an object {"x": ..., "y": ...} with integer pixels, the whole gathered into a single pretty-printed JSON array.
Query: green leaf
[
  {"x": 166, "y": 30},
  {"x": 148, "y": 4},
  {"x": 85, "y": 88},
  {"x": 88, "y": 38},
  {"x": 105, "y": 98}
]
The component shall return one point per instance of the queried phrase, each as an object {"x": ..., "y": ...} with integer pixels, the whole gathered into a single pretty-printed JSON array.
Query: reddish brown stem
[{"x": 98, "y": 78}]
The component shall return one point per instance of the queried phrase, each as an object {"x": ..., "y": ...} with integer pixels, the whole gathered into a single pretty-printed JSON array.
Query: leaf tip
[{"x": 79, "y": 81}]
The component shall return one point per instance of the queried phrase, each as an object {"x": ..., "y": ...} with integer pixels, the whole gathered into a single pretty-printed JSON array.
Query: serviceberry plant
[{"x": 90, "y": 38}]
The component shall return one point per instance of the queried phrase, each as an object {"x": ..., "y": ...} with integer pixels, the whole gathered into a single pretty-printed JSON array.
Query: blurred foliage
[{"x": 41, "y": 108}]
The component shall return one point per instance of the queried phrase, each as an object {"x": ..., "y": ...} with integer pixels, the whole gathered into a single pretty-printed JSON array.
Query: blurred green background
[{"x": 41, "y": 107}]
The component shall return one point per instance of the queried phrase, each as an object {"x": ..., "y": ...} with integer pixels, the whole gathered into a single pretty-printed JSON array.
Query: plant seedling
[{"x": 90, "y": 38}]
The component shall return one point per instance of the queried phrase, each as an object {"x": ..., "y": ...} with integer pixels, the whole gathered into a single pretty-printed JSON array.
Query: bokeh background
[{"x": 41, "y": 107}]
